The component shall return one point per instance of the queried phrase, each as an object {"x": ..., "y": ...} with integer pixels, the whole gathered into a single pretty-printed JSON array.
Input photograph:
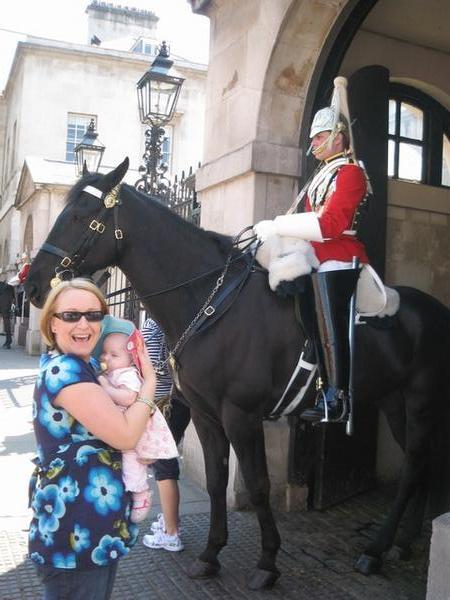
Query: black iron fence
[{"x": 180, "y": 197}]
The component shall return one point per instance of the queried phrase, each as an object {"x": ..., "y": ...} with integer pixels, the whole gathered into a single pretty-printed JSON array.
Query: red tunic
[
  {"x": 336, "y": 215},
  {"x": 24, "y": 272}
]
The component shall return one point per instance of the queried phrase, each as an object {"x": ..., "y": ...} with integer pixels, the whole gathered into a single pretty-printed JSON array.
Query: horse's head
[{"x": 84, "y": 237}]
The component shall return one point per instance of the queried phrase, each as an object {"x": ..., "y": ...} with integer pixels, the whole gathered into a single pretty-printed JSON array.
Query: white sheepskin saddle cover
[{"x": 287, "y": 258}]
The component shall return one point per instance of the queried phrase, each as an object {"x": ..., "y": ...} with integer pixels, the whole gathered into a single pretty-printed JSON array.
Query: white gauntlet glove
[
  {"x": 304, "y": 226},
  {"x": 264, "y": 229}
]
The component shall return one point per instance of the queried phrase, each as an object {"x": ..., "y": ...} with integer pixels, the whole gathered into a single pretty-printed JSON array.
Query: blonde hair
[{"x": 48, "y": 309}]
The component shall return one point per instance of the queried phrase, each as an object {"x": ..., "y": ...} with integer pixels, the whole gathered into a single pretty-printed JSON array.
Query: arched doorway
[
  {"x": 374, "y": 46},
  {"x": 281, "y": 58}
]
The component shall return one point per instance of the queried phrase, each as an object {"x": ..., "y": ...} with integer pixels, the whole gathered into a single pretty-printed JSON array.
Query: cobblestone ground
[
  {"x": 316, "y": 557},
  {"x": 316, "y": 560}
]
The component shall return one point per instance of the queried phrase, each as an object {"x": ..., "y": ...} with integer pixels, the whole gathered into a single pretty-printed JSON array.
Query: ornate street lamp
[
  {"x": 157, "y": 97},
  {"x": 89, "y": 151}
]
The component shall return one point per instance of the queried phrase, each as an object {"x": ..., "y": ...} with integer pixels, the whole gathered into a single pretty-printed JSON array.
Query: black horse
[{"x": 233, "y": 372}]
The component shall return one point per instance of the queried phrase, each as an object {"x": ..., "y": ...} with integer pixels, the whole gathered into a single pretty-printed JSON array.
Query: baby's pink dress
[{"x": 156, "y": 441}]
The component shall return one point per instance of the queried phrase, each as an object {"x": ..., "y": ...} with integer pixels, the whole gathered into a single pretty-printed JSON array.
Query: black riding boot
[
  {"x": 332, "y": 293},
  {"x": 7, "y": 344}
]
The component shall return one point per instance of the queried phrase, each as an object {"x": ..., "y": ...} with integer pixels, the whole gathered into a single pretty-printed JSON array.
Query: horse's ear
[
  {"x": 114, "y": 177},
  {"x": 85, "y": 169}
]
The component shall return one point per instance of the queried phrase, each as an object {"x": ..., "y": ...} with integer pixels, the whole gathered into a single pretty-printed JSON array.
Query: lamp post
[
  {"x": 89, "y": 151},
  {"x": 157, "y": 97}
]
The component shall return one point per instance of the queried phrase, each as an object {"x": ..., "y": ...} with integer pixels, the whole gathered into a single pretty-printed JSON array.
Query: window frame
[
  {"x": 88, "y": 118},
  {"x": 436, "y": 124}
]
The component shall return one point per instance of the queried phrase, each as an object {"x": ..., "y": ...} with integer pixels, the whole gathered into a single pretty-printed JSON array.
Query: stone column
[{"x": 438, "y": 586}]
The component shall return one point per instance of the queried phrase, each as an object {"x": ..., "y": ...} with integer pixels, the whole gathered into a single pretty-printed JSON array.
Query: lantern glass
[
  {"x": 91, "y": 156},
  {"x": 89, "y": 151},
  {"x": 158, "y": 94}
]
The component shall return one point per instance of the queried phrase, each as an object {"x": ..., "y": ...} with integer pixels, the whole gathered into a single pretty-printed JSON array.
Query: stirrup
[{"x": 343, "y": 417}]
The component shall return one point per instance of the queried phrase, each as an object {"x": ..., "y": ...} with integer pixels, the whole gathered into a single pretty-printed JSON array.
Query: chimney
[{"x": 107, "y": 22}]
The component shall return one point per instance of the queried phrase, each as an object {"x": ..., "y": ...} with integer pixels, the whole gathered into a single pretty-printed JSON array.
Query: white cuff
[{"x": 302, "y": 225}]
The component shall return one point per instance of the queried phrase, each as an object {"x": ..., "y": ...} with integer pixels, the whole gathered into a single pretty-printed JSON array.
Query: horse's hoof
[
  {"x": 399, "y": 553},
  {"x": 368, "y": 565},
  {"x": 202, "y": 570},
  {"x": 262, "y": 579}
]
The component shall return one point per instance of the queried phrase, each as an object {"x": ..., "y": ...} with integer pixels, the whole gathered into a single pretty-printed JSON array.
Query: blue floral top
[{"x": 80, "y": 507}]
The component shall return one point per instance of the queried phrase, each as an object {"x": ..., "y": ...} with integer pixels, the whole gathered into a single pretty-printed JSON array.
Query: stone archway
[
  {"x": 272, "y": 65},
  {"x": 310, "y": 47}
]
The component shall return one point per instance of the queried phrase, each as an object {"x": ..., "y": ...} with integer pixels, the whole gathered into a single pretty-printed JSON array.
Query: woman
[{"x": 80, "y": 526}]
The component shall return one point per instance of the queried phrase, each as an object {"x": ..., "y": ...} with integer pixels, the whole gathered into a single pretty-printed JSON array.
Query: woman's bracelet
[{"x": 148, "y": 402}]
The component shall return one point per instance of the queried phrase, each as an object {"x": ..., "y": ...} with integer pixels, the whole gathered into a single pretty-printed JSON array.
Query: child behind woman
[{"x": 122, "y": 381}]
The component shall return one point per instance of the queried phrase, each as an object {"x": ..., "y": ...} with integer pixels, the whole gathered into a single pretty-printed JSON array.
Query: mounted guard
[{"x": 330, "y": 203}]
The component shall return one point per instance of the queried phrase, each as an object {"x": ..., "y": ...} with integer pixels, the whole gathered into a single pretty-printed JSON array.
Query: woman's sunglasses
[{"x": 73, "y": 316}]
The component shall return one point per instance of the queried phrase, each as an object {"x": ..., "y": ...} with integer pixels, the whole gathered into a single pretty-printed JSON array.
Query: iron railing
[{"x": 181, "y": 198}]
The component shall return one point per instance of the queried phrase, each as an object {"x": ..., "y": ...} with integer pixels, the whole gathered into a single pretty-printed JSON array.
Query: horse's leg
[
  {"x": 418, "y": 431},
  {"x": 216, "y": 451},
  {"x": 246, "y": 434},
  {"x": 415, "y": 510},
  {"x": 411, "y": 525}
]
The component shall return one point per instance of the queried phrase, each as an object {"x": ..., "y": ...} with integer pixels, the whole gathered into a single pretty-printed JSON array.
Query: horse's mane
[{"x": 223, "y": 242}]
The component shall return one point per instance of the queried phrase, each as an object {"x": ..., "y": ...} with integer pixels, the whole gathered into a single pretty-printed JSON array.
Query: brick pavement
[{"x": 316, "y": 557}]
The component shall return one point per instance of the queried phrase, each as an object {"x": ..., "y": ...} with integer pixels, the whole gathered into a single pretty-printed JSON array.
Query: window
[
  {"x": 76, "y": 128},
  {"x": 146, "y": 46},
  {"x": 418, "y": 147},
  {"x": 166, "y": 147}
]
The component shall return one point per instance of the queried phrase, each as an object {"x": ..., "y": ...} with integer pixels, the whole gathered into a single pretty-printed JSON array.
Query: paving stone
[{"x": 316, "y": 562}]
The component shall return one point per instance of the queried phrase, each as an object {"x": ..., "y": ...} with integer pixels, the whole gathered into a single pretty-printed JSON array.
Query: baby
[{"x": 122, "y": 382}]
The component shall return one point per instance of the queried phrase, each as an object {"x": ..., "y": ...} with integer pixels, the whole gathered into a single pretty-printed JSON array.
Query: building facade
[
  {"x": 53, "y": 91},
  {"x": 272, "y": 65}
]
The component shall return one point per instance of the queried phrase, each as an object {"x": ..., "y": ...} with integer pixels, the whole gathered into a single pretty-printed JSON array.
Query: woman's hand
[
  {"x": 103, "y": 382},
  {"x": 147, "y": 370}
]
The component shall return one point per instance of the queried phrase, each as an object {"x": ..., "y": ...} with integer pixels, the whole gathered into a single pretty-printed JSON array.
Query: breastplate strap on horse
[{"x": 210, "y": 314}]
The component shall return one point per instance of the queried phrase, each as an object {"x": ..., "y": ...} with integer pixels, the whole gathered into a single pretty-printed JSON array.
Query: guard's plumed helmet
[
  {"x": 325, "y": 120},
  {"x": 336, "y": 117}
]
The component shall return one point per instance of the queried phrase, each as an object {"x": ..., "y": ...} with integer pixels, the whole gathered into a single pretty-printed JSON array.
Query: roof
[
  {"x": 53, "y": 172},
  {"x": 45, "y": 44},
  {"x": 38, "y": 171}
]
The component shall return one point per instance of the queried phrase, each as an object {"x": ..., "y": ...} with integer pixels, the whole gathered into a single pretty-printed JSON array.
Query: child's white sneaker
[
  {"x": 161, "y": 540},
  {"x": 159, "y": 524}
]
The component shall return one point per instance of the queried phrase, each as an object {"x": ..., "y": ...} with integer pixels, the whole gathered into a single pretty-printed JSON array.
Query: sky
[{"x": 66, "y": 20}]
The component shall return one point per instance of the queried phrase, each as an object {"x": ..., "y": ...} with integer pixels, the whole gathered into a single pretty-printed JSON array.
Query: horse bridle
[{"x": 71, "y": 262}]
